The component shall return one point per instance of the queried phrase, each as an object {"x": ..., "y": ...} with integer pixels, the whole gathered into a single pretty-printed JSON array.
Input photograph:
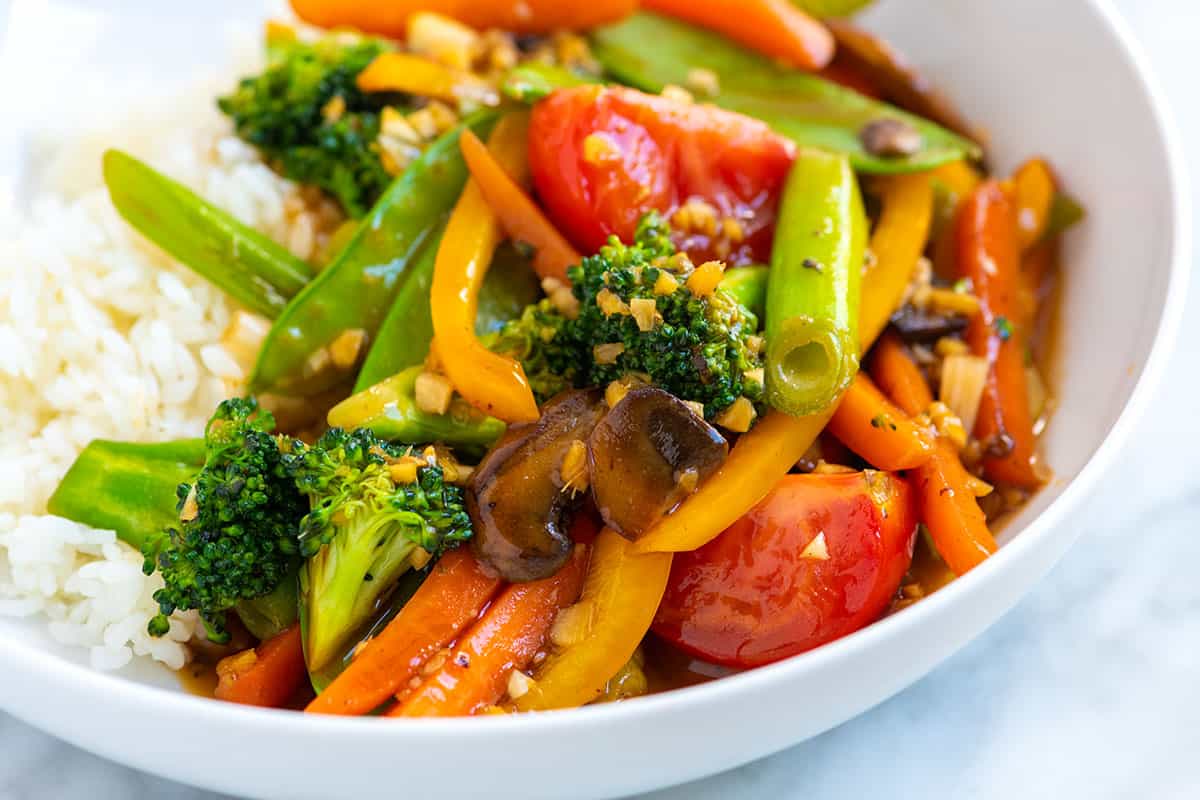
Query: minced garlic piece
[
  {"x": 978, "y": 486},
  {"x": 561, "y": 296},
  {"x": 607, "y": 353},
  {"x": 704, "y": 281},
  {"x": 574, "y": 468},
  {"x": 404, "y": 471},
  {"x": 599, "y": 149},
  {"x": 334, "y": 109},
  {"x": 191, "y": 508},
  {"x": 756, "y": 375},
  {"x": 519, "y": 684},
  {"x": 317, "y": 361},
  {"x": 703, "y": 81},
  {"x": 732, "y": 230},
  {"x": 696, "y": 407},
  {"x": 823, "y": 467},
  {"x": 423, "y": 123},
  {"x": 394, "y": 124},
  {"x": 739, "y": 416},
  {"x": 677, "y": 93},
  {"x": 665, "y": 283},
  {"x": 816, "y": 549},
  {"x": 345, "y": 349},
  {"x": 610, "y": 303},
  {"x": 419, "y": 558},
  {"x": 755, "y": 344},
  {"x": 947, "y": 424},
  {"x": 645, "y": 313},
  {"x": 433, "y": 393},
  {"x": 572, "y": 624},
  {"x": 615, "y": 392},
  {"x": 443, "y": 39}
]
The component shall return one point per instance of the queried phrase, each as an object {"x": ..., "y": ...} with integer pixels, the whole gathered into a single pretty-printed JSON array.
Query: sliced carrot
[
  {"x": 451, "y": 598},
  {"x": 527, "y": 16},
  {"x": 507, "y": 637},
  {"x": 520, "y": 217},
  {"x": 947, "y": 505},
  {"x": 268, "y": 676},
  {"x": 868, "y": 423},
  {"x": 775, "y": 28},
  {"x": 987, "y": 252}
]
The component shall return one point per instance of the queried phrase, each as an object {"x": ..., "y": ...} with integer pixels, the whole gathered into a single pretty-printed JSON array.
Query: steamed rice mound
[{"x": 102, "y": 335}]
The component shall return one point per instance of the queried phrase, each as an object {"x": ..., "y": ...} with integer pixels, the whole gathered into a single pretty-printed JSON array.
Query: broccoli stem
[
  {"x": 126, "y": 487},
  {"x": 250, "y": 267},
  {"x": 813, "y": 290},
  {"x": 268, "y": 616}
]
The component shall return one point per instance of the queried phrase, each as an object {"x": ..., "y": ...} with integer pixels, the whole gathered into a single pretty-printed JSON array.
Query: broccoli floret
[
  {"x": 237, "y": 537},
  {"x": 377, "y": 511},
  {"x": 290, "y": 113},
  {"x": 698, "y": 348}
]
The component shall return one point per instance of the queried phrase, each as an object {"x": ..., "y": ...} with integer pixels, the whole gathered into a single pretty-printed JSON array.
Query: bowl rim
[{"x": 119, "y": 691}]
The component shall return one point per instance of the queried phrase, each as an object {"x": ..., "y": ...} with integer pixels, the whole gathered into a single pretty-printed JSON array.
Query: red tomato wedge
[
  {"x": 819, "y": 558},
  {"x": 601, "y": 158}
]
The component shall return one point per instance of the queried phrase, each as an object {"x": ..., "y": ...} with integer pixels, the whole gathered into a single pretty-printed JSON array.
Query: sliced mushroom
[
  {"x": 923, "y": 325},
  {"x": 646, "y": 456},
  {"x": 516, "y": 496}
]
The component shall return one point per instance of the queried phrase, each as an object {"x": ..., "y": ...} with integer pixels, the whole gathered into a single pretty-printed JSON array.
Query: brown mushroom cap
[
  {"x": 649, "y": 453},
  {"x": 516, "y": 498}
]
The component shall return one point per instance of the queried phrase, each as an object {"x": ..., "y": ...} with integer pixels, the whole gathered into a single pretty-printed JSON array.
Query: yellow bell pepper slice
[
  {"x": 765, "y": 454},
  {"x": 404, "y": 72},
  {"x": 620, "y": 597},
  {"x": 491, "y": 382},
  {"x": 1032, "y": 189}
]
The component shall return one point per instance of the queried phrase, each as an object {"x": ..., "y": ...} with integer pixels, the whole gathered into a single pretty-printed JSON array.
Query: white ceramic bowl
[{"x": 1061, "y": 79}]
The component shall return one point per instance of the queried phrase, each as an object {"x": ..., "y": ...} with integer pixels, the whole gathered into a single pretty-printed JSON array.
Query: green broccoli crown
[
  {"x": 698, "y": 348},
  {"x": 237, "y": 537},
  {"x": 349, "y": 476},
  {"x": 286, "y": 113}
]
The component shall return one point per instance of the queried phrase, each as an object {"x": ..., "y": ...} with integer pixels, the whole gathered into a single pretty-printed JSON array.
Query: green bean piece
[
  {"x": 355, "y": 292},
  {"x": 814, "y": 283},
  {"x": 649, "y": 52},
  {"x": 531, "y": 82},
  {"x": 748, "y": 285},
  {"x": 250, "y": 267},
  {"x": 389, "y": 409},
  {"x": 407, "y": 330},
  {"x": 127, "y": 487}
]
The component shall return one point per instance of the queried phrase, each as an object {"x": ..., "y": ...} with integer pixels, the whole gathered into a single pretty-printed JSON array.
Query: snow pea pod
[
  {"x": 530, "y": 82},
  {"x": 127, "y": 487},
  {"x": 252, "y": 268},
  {"x": 649, "y": 52},
  {"x": 813, "y": 288},
  {"x": 404, "y": 337},
  {"x": 354, "y": 293},
  {"x": 748, "y": 285}
]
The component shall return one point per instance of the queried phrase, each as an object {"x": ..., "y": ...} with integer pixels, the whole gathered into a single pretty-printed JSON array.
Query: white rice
[{"x": 104, "y": 336}]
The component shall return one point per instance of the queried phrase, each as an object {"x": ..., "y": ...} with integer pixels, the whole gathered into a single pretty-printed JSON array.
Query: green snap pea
[
  {"x": 389, "y": 408},
  {"x": 531, "y": 82},
  {"x": 748, "y": 285},
  {"x": 126, "y": 487},
  {"x": 649, "y": 52},
  {"x": 250, "y": 267},
  {"x": 813, "y": 285},
  {"x": 355, "y": 292}
]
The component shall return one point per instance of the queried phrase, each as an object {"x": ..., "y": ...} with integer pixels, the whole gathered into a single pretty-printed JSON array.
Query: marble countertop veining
[{"x": 1086, "y": 689}]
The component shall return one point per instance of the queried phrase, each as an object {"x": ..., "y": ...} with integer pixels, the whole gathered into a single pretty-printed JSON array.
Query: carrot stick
[
  {"x": 987, "y": 252},
  {"x": 456, "y": 590},
  {"x": 868, "y": 423},
  {"x": 507, "y": 637},
  {"x": 267, "y": 675},
  {"x": 775, "y": 28},
  {"x": 528, "y": 16},
  {"x": 947, "y": 505},
  {"x": 520, "y": 217}
]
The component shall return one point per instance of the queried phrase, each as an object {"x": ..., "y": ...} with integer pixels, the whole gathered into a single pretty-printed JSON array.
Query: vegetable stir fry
[{"x": 699, "y": 328}]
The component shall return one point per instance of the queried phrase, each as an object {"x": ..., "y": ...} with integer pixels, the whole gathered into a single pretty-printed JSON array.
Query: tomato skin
[
  {"x": 750, "y": 597},
  {"x": 654, "y": 153}
]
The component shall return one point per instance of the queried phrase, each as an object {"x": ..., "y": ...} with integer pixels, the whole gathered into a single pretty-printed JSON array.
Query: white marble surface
[{"x": 1087, "y": 689}]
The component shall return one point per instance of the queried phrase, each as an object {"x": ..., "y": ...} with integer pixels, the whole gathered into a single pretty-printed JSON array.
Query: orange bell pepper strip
[
  {"x": 451, "y": 598},
  {"x": 868, "y": 423},
  {"x": 988, "y": 254},
  {"x": 491, "y": 382},
  {"x": 1033, "y": 188},
  {"x": 765, "y": 454},
  {"x": 268, "y": 675},
  {"x": 506, "y": 637},
  {"x": 775, "y": 28},
  {"x": 390, "y": 18},
  {"x": 405, "y": 72},
  {"x": 897, "y": 242},
  {"x": 621, "y": 594},
  {"x": 520, "y": 217},
  {"x": 947, "y": 504}
]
